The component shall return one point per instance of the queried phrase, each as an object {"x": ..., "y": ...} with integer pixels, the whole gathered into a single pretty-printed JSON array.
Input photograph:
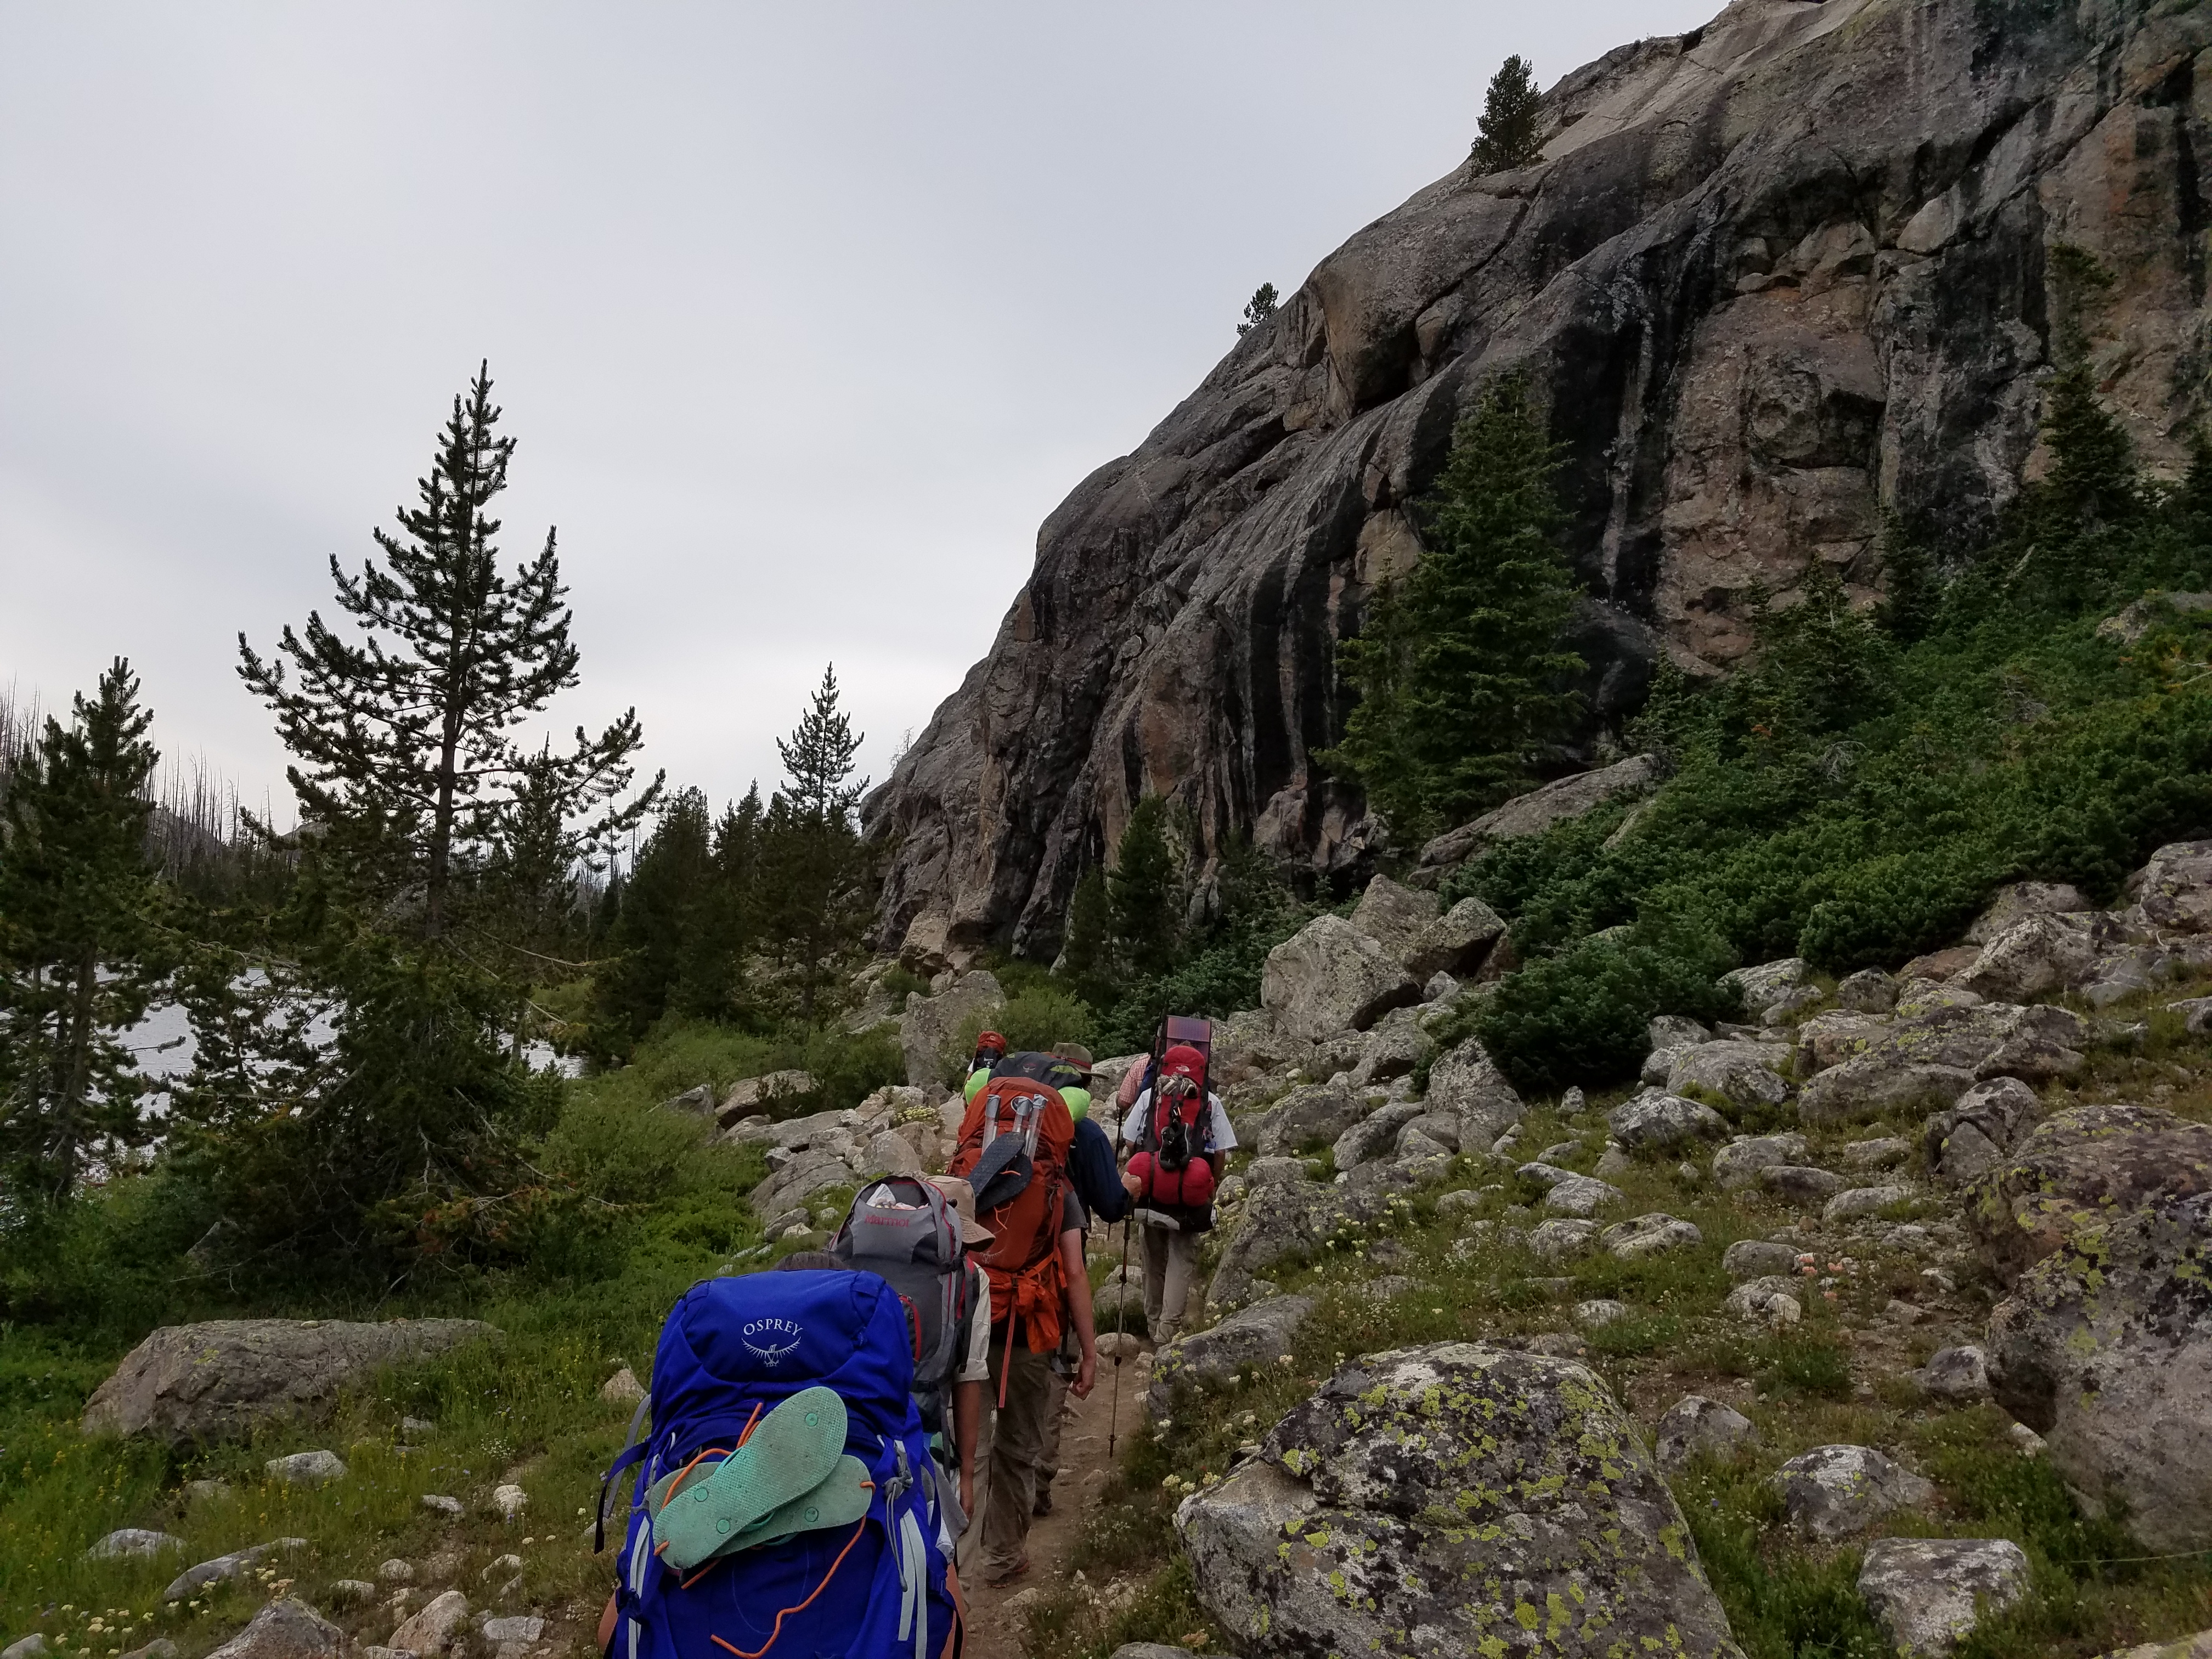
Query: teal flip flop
[
  {"x": 840, "y": 1501},
  {"x": 790, "y": 1451}
]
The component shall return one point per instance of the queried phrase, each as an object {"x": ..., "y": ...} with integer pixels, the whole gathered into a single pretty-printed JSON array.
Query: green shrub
[{"x": 1581, "y": 1016}]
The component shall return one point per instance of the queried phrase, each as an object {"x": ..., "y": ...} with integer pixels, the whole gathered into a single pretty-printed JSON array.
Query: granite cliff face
[{"x": 1769, "y": 277}]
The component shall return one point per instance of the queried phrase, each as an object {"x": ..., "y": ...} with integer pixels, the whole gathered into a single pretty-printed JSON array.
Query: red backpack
[{"x": 1013, "y": 1150}]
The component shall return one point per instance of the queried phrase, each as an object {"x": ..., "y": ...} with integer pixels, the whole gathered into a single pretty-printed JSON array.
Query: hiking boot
[{"x": 1043, "y": 1504}]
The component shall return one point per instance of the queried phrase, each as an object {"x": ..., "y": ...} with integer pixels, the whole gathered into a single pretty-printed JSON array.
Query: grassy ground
[
  {"x": 1833, "y": 1378},
  {"x": 525, "y": 1410}
]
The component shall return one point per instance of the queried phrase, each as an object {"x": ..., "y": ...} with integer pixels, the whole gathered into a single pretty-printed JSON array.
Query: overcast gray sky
[{"x": 804, "y": 315}]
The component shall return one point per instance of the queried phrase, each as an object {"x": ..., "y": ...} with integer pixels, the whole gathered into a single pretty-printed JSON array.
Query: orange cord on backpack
[{"x": 776, "y": 1629}]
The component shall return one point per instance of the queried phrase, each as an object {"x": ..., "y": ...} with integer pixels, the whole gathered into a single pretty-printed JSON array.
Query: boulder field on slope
[
  {"x": 1453, "y": 1499},
  {"x": 223, "y": 1379}
]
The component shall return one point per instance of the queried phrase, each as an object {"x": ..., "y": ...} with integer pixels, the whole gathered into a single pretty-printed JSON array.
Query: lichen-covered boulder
[
  {"x": 1926, "y": 1062},
  {"x": 1376, "y": 1134},
  {"x": 2086, "y": 1164},
  {"x": 1980, "y": 1129},
  {"x": 1286, "y": 1222},
  {"x": 1656, "y": 1121},
  {"x": 2041, "y": 955},
  {"x": 1312, "y": 1112},
  {"x": 1741, "y": 1073},
  {"x": 1765, "y": 985},
  {"x": 1928, "y": 1593},
  {"x": 2174, "y": 889},
  {"x": 1832, "y": 1491},
  {"x": 1258, "y": 1336},
  {"x": 1467, "y": 1084},
  {"x": 1455, "y": 943},
  {"x": 1455, "y": 1499},
  {"x": 224, "y": 1378},
  {"x": 2105, "y": 1348},
  {"x": 1649, "y": 1234},
  {"x": 1331, "y": 976}
]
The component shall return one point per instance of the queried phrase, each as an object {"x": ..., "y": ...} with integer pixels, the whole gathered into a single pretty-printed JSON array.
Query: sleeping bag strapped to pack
[
  {"x": 1013, "y": 1151},
  {"x": 786, "y": 1505}
]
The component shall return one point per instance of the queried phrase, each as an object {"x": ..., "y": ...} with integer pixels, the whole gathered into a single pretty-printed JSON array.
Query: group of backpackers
[{"x": 818, "y": 1431}]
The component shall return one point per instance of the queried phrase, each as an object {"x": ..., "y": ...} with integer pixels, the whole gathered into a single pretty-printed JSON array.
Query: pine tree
[
  {"x": 817, "y": 873},
  {"x": 1087, "y": 949},
  {"x": 77, "y": 893},
  {"x": 1460, "y": 680},
  {"x": 1143, "y": 892},
  {"x": 1511, "y": 115},
  {"x": 2092, "y": 482},
  {"x": 662, "y": 956},
  {"x": 1912, "y": 593},
  {"x": 405, "y": 764},
  {"x": 1258, "y": 308}
]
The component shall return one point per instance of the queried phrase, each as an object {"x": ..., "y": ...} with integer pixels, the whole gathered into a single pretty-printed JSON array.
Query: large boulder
[
  {"x": 930, "y": 1026},
  {"x": 2105, "y": 1348},
  {"x": 1738, "y": 1163},
  {"x": 1455, "y": 943},
  {"x": 1980, "y": 1130},
  {"x": 222, "y": 1379},
  {"x": 2174, "y": 889},
  {"x": 764, "y": 1096},
  {"x": 1376, "y": 1134},
  {"x": 2021, "y": 900},
  {"x": 1258, "y": 1336},
  {"x": 1445, "y": 1500},
  {"x": 1330, "y": 976},
  {"x": 1312, "y": 1112},
  {"x": 1655, "y": 1120},
  {"x": 1926, "y": 1062},
  {"x": 2087, "y": 1165},
  {"x": 286, "y": 1629},
  {"x": 2041, "y": 956},
  {"x": 1394, "y": 916},
  {"x": 1538, "y": 810},
  {"x": 1394, "y": 1048},
  {"x": 1466, "y": 1083},
  {"x": 1288, "y": 1221},
  {"x": 1928, "y": 1593},
  {"x": 1832, "y": 1491},
  {"x": 1764, "y": 986},
  {"x": 1743, "y": 1074}
]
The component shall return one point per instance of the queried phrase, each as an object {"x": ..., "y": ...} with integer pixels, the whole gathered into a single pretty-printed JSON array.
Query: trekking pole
[{"x": 1120, "y": 1306}]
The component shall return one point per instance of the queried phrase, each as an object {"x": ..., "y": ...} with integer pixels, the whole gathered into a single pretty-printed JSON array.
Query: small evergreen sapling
[
  {"x": 1258, "y": 308},
  {"x": 1511, "y": 114},
  {"x": 818, "y": 873}
]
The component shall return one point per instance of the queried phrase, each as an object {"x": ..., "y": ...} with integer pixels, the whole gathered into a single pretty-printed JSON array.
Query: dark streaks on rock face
[{"x": 1770, "y": 278}]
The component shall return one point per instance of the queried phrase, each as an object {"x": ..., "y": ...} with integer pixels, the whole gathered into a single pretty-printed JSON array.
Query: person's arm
[
  {"x": 1078, "y": 1309},
  {"x": 607, "y": 1624}
]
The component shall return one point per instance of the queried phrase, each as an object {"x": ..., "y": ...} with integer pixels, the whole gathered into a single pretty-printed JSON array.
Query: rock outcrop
[
  {"x": 2105, "y": 1348},
  {"x": 221, "y": 1380},
  {"x": 1447, "y": 1499},
  {"x": 1768, "y": 278}
]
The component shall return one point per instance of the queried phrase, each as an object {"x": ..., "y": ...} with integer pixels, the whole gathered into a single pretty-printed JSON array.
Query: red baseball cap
[{"x": 1183, "y": 1060}]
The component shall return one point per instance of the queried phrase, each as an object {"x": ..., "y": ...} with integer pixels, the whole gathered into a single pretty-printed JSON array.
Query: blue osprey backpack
[{"x": 732, "y": 1350}]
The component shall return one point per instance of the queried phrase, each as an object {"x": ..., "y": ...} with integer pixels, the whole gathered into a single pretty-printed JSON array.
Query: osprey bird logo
[{"x": 772, "y": 1354}]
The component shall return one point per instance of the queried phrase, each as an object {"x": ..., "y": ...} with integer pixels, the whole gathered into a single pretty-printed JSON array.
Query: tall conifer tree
[
  {"x": 1511, "y": 110},
  {"x": 405, "y": 756},
  {"x": 77, "y": 891},
  {"x": 1461, "y": 677}
]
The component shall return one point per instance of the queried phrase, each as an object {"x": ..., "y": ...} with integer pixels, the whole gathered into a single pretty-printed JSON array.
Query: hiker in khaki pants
[{"x": 1014, "y": 1435}]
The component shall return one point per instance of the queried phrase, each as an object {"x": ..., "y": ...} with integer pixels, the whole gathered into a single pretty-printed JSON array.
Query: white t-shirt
[
  {"x": 1218, "y": 1132},
  {"x": 976, "y": 1368}
]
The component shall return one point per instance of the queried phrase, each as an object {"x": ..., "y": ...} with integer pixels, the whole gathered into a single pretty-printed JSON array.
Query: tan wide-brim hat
[
  {"x": 1075, "y": 1054},
  {"x": 958, "y": 1193}
]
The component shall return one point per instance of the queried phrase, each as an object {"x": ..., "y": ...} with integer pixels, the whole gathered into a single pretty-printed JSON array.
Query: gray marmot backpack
[{"x": 905, "y": 1231}]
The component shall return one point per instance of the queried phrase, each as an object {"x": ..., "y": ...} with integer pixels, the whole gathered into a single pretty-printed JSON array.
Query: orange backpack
[{"x": 1013, "y": 1149}]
